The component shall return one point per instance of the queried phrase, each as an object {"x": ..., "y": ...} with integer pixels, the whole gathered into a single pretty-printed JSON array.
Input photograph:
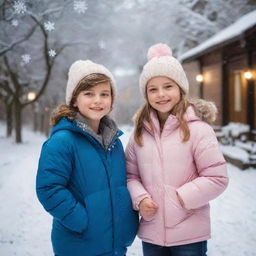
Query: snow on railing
[
  {"x": 236, "y": 145},
  {"x": 235, "y": 129}
]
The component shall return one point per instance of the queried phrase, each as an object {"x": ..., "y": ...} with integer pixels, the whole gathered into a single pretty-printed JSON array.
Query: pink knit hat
[{"x": 162, "y": 63}]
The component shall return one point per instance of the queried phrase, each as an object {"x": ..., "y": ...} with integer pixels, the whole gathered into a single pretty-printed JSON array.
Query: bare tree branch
[{"x": 19, "y": 41}]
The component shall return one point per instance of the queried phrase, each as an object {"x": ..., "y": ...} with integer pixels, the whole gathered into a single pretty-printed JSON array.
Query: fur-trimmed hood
[{"x": 205, "y": 110}]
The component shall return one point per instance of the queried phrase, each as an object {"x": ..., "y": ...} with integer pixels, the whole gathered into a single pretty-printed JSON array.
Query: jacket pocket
[
  {"x": 126, "y": 219},
  {"x": 173, "y": 213},
  {"x": 58, "y": 227},
  {"x": 100, "y": 226}
]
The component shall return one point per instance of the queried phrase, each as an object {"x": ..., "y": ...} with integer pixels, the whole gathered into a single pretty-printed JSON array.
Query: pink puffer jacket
[{"x": 164, "y": 166}]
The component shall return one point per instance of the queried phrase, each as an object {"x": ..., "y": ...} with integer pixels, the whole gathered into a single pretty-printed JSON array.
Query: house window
[{"x": 238, "y": 93}]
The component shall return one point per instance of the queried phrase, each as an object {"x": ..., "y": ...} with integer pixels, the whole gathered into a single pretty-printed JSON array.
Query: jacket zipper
[
  {"x": 159, "y": 147},
  {"x": 106, "y": 163},
  {"x": 111, "y": 202}
]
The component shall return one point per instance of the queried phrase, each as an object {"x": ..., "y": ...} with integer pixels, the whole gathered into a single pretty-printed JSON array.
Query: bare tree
[
  {"x": 7, "y": 98},
  {"x": 20, "y": 79}
]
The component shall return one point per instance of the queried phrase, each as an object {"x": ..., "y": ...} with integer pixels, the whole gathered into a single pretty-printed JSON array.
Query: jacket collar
[
  {"x": 107, "y": 129},
  {"x": 108, "y": 126},
  {"x": 171, "y": 123}
]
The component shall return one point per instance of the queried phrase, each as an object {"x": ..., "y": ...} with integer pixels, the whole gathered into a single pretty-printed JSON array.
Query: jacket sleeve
[
  {"x": 135, "y": 187},
  {"x": 54, "y": 170},
  {"x": 211, "y": 167}
]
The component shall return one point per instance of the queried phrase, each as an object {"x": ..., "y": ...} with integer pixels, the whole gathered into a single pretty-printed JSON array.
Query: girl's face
[
  {"x": 163, "y": 94},
  {"x": 95, "y": 103}
]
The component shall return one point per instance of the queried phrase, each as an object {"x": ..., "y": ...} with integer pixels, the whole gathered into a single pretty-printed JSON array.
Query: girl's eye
[
  {"x": 105, "y": 94},
  {"x": 168, "y": 86},
  {"x": 152, "y": 89}
]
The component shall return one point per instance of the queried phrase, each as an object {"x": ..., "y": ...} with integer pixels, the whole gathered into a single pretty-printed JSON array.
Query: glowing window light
[
  {"x": 248, "y": 75},
  {"x": 199, "y": 78}
]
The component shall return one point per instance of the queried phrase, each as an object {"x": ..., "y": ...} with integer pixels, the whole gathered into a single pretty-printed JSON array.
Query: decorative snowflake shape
[
  {"x": 19, "y": 7},
  {"x": 26, "y": 58},
  {"x": 49, "y": 26},
  {"x": 15, "y": 23},
  {"x": 52, "y": 53},
  {"x": 80, "y": 6}
]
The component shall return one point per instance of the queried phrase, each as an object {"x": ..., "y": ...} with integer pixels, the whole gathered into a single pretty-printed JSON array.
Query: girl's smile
[
  {"x": 162, "y": 94},
  {"x": 163, "y": 102}
]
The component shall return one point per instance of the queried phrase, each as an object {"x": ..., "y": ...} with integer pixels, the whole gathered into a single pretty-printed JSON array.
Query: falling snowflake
[
  {"x": 49, "y": 26},
  {"x": 102, "y": 44},
  {"x": 15, "y": 23},
  {"x": 26, "y": 58},
  {"x": 19, "y": 7},
  {"x": 80, "y": 6},
  {"x": 52, "y": 53}
]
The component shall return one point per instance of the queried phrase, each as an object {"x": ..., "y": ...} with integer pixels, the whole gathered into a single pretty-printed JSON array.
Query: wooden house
[{"x": 227, "y": 65}]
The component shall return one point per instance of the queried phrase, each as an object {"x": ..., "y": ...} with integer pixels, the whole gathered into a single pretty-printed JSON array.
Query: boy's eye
[
  {"x": 152, "y": 89},
  {"x": 87, "y": 93},
  {"x": 168, "y": 86},
  {"x": 105, "y": 94}
]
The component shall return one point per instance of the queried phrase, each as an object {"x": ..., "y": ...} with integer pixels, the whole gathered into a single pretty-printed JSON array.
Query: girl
[
  {"x": 174, "y": 163},
  {"x": 81, "y": 179}
]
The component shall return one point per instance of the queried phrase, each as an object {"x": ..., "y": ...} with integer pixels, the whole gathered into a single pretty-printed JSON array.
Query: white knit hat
[
  {"x": 162, "y": 63},
  {"x": 82, "y": 68}
]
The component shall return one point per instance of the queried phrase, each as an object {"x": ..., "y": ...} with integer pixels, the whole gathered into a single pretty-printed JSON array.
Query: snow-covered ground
[{"x": 25, "y": 226}]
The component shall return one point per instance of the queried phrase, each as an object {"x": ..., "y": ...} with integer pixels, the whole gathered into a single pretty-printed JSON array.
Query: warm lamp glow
[
  {"x": 248, "y": 75},
  {"x": 31, "y": 96},
  {"x": 199, "y": 78}
]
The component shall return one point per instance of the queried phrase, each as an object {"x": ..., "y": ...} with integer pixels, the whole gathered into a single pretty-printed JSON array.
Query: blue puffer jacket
[{"x": 83, "y": 186}]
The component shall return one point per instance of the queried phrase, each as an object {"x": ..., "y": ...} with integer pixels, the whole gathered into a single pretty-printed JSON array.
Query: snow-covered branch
[
  {"x": 3, "y": 43},
  {"x": 200, "y": 18},
  {"x": 53, "y": 10}
]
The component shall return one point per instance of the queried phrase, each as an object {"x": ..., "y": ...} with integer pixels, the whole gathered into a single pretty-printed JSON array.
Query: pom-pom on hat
[
  {"x": 162, "y": 63},
  {"x": 82, "y": 68}
]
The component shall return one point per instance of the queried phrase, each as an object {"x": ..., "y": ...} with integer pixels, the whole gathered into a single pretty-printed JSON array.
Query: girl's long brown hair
[
  {"x": 86, "y": 83},
  {"x": 144, "y": 114}
]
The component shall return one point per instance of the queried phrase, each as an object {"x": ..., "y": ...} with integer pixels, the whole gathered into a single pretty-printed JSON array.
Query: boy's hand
[{"x": 148, "y": 208}]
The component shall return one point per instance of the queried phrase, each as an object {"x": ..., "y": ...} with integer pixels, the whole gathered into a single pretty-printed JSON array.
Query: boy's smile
[{"x": 95, "y": 103}]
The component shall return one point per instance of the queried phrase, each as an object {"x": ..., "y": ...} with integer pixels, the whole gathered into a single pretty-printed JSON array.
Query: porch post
[
  {"x": 250, "y": 104},
  {"x": 225, "y": 91}
]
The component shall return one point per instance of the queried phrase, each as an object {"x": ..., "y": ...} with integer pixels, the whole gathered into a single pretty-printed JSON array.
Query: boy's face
[{"x": 95, "y": 102}]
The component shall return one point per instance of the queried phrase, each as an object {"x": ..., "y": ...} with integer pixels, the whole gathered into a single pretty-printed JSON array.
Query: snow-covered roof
[{"x": 240, "y": 26}]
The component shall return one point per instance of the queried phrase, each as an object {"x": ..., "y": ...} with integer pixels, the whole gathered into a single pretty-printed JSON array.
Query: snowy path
[{"x": 25, "y": 227}]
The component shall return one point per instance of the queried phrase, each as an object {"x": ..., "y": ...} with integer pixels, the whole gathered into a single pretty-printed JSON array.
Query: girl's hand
[{"x": 148, "y": 208}]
